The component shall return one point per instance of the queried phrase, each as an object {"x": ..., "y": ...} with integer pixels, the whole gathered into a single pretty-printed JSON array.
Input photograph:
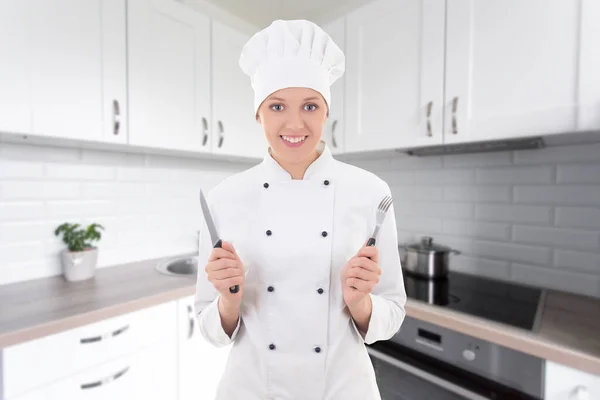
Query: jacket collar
[{"x": 321, "y": 168}]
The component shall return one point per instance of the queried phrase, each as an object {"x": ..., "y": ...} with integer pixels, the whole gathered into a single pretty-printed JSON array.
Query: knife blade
[{"x": 214, "y": 236}]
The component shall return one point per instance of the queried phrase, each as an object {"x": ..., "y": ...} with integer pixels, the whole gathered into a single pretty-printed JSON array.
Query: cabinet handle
[
  {"x": 429, "y": 107},
  {"x": 204, "y": 131},
  {"x": 104, "y": 336},
  {"x": 191, "y": 319},
  {"x": 104, "y": 381},
  {"x": 580, "y": 393},
  {"x": 454, "y": 107},
  {"x": 221, "y": 134},
  {"x": 333, "y": 126},
  {"x": 116, "y": 117}
]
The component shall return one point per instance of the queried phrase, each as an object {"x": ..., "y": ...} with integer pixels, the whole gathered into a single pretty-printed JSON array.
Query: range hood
[{"x": 478, "y": 147}]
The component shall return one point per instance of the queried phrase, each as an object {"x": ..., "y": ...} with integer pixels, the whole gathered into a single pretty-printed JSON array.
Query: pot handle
[{"x": 455, "y": 251}]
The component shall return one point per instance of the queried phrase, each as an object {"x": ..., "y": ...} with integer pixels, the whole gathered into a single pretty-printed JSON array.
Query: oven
[{"x": 424, "y": 361}]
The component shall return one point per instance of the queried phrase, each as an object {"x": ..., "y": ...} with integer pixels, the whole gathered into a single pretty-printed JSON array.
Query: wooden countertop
[{"x": 569, "y": 330}]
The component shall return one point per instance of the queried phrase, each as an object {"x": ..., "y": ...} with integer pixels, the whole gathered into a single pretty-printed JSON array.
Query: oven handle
[{"x": 426, "y": 376}]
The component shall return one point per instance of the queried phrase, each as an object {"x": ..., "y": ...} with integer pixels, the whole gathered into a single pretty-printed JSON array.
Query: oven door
[
  {"x": 405, "y": 374},
  {"x": 399, "y": 380}
]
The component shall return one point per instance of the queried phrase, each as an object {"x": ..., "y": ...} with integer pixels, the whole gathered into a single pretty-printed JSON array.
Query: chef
[{"x": 294, "y": 230}]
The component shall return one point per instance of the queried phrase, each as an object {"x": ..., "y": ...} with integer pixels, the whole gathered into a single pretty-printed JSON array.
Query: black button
[
  {"x": 270, "y": 288},
  {"x": 317, "y": 349},
  {"x": 324, "y": 233},
  {"x": 326, "y": 182},
  {"x": 266, "y": 185},
  {"x": 320, "y": 290},
  {"x": 268, "y": 233},
  {"x": 272, "y": 346}
]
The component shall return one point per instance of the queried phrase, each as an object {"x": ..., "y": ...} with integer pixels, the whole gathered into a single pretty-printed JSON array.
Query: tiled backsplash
[
  {"x": 148, "y": 204},
  {"x": 528, "y": 216}
]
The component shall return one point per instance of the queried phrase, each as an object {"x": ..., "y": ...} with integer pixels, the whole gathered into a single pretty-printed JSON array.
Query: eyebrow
[{"x": 280, "y": 99}]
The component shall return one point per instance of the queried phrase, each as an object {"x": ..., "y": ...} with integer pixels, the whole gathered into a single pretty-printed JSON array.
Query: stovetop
[{"x": 488, "y": 298}]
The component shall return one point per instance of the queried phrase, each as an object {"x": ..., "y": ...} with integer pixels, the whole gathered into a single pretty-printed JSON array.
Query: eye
[
  {"x": 308, "y": 107},
  {"x": 276, "y": 107}
]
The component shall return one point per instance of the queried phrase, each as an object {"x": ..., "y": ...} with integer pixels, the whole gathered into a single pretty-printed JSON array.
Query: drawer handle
[
  {"x": 105, "y": 336},
  {"x": 104, "y": 381}
]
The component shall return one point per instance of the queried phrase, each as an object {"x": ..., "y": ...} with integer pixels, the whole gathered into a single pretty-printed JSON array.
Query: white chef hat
[{"x": 294, "y": 53}]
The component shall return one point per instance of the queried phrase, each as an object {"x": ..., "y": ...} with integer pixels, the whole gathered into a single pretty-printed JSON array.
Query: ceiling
[{"x": 261, "y": 13}]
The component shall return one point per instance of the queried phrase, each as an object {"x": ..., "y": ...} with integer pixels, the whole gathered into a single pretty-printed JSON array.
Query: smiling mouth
[{"x": 293, "y": 139}]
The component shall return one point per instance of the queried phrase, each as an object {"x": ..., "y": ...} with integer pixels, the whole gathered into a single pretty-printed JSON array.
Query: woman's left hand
[{"x": 360, "y": 275}]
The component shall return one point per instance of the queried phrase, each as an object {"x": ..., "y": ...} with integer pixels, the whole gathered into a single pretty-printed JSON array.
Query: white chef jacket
[{"x": 296, "y": 339}]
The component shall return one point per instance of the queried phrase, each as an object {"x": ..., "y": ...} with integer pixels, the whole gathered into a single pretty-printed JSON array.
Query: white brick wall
[
  {"x": 148, "y": 204},
  {"x": 527, "y": 216}
]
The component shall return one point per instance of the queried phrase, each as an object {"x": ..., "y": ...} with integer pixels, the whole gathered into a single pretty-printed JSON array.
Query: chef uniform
[{"x": 296, "y": 339}]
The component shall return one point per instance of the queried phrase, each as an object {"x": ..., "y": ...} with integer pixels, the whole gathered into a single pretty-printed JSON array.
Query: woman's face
[{"x": 293, "y": 120}]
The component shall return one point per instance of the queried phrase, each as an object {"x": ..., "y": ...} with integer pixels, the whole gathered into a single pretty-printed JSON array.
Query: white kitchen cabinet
[
  {"x": 66, "y": 353},
  {"x": 63, "y": 69},
  {"x": 169, "y": 76},
  {"x": 15, "y": 103},
  {"x": 333, "y": 131},
  {"x": 201, "y": 364},
  {"x": 566, "y": 383},
  {"x": 517, "y": 68},
  {"x": 235, "y": 129},
  {"x": 149, "y": 374},
  {"x": 394, "y": 74}
]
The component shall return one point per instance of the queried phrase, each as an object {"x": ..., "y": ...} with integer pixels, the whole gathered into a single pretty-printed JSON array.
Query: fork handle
[{"x": 371, "y": 242}]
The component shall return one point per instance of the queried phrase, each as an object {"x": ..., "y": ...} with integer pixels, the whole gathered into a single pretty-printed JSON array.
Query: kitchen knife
[{"x": 214, "y": 237}]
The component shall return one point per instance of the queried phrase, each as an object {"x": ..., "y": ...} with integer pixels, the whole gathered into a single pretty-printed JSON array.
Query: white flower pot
[{"x": 79, "y": 265}]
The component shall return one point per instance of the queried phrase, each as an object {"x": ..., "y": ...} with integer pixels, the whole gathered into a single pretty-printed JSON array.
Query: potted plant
[{"x": 80, "y": 257}]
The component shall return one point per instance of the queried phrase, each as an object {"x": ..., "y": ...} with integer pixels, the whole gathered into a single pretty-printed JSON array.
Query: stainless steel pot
[{"x": 427, "y": 259}]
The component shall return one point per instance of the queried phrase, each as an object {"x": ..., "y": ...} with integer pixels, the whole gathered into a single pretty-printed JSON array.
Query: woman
[{"x": 294, "y": 230}]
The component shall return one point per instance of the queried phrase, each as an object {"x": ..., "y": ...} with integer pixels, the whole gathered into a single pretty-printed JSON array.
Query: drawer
[
  {"x": 150, "y": 373},
  {"x": 39, "y": 362},
  {"x": 566, "y": 383}
]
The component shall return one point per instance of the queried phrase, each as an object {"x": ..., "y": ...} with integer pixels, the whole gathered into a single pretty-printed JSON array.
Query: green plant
[{"x": 78, "y": 238}]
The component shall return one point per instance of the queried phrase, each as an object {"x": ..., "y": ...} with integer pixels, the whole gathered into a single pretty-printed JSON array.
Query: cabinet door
[
  {"x": 589, "y": 65},
  {"x": 149, "y": 374},
  {"x": 513, "y": 68},
  {"x": 394, "y": 78},
  {"x": 201, "y": 364},
  {"x": 235, "y": 129},
  {"x": 333, "y": 132},
  {"x": 169, "y": 76},
  {"x": 566, "y": 383},
  {"x": 15, "y": 104},
  {"x": 77, "y": 68}
]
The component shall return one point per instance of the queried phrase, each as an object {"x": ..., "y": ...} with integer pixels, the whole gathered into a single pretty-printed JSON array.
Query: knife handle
[
  {"x": 233, "y": 289},
  {"x": 371, "y": 242}
]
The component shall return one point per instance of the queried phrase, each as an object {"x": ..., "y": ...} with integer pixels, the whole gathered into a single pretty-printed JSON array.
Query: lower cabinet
[
  {"x": 566, "y": 383},
  {"x": 201, "y": 364},
  {"x": 148, "y": 374}
]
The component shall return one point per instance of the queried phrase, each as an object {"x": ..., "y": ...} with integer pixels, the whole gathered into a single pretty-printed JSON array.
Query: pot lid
[{"x": 427, "y": 244}]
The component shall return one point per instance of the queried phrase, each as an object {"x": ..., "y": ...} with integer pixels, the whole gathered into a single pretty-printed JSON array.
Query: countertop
[{"x": 567, "y": 334}]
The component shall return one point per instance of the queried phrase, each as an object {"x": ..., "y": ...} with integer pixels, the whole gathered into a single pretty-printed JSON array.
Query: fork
[{"x": 384, "y": 206}]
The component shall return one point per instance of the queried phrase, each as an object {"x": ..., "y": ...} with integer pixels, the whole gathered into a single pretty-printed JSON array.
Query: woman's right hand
[{"x": 224, "y": 270}]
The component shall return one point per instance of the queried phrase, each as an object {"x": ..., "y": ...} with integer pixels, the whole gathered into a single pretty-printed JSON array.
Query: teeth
[{"x": 294, "y": 139}]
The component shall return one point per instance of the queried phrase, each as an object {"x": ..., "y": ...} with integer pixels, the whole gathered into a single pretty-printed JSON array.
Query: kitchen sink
[{"x": 180, "y": 266}]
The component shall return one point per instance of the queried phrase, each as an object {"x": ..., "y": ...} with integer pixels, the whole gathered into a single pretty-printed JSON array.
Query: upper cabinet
[
  {"x": 432, "y": 72},
  {"x": 517, "y": 68},
  {"x": 169, "y": 76},
  {"x": 394, "y": 74},
  {"x": 63, "y": 70},
  {"x": 235, "y": 129},
  {"x": 333, "y": 132}
]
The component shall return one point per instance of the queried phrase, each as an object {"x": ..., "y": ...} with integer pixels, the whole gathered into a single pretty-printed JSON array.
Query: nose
[{"x": 295, "y": 121}]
